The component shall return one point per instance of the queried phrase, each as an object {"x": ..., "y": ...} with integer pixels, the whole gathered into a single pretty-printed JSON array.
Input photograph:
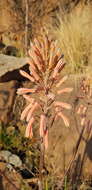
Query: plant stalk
[{"x": 41, "y": 165}]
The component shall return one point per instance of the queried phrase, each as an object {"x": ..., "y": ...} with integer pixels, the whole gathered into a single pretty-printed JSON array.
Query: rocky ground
[{"x": 41, "y": 13}]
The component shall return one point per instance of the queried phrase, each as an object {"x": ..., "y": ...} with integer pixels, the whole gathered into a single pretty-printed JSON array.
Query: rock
[
  {"x": 2, "y": 46},
  {"x": 5, "y": 155},
  {"x": 11, "y": 179},
  {"x": 9, "y": 67},
  {"x": 11, "y": 158},
  {"x": 15, "y": 160},
  {"x": 10, "y": 50},
  {"x": 26, "y": 174},
  {"x": 7, "y": 97}
]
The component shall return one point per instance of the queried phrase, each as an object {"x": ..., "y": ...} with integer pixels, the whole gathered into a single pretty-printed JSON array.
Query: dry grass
[{"x": 74, "y": 33}]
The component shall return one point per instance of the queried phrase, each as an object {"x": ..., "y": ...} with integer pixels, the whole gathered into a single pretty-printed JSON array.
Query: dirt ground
[{"x": 64, "y": 141}]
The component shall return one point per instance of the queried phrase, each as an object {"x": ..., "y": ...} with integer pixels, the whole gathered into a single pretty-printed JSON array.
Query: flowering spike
[
  {"x": 29, "y": 132},
  {"x": 45, "y": 65}
]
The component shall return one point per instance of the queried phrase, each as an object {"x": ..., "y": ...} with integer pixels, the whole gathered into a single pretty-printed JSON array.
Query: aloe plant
[{"x": 45, "y": 66}]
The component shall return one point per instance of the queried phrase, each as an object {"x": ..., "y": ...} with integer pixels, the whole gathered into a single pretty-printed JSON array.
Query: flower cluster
[{"x": 45, "y": 65}]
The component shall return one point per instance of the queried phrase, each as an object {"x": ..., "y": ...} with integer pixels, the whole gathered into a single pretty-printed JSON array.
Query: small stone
[
  {"x": 15, "y": 160},
  {"x": 5, "y": 155},
  {"x": 11, "y": 158},
  {"x": 10, "y": 65}
]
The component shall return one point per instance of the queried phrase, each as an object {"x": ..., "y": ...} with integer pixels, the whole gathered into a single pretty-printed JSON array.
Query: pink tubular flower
[
  {"x": 29, "y": 132},
  {"x": 35, "y": 74},
  {"x": 51, "y": 96},
  {"x": 32, "y": 64},
  {"x": 62, "y": 81},
  {"x": 22, "y": 91},
  {"x": 55, "y": 73},
  {"x": 51, "y": 54},
  {"x": 62, "y": 104},
  {"x": 23, "y": 73},
  {"x": 64, "y": 90},
  {"x": 36, "y": 59},
  {"x": 33, "y": 108},
  {"x": 65, "y": 119},
  {"x": 26, "y": 111},
  {"x": 58, "y": 67},
  {"x": 37, "y": 44},
  {"x": 38, "y": 47}
]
